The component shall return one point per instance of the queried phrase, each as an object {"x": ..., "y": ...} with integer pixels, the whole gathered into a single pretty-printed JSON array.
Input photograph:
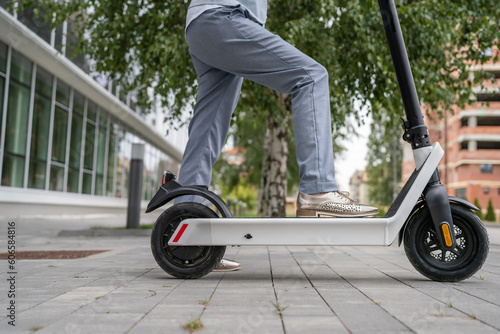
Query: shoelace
[{"x": 346, "y": 194}]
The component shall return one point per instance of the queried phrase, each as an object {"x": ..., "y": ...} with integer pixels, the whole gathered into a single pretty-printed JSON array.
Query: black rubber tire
[
  {"x": 183, "y": 261},
  {"x": 426, "y": 254}
]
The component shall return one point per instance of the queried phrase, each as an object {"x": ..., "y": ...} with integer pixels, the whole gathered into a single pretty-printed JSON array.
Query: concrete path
[{"x": 278, "y": 290}]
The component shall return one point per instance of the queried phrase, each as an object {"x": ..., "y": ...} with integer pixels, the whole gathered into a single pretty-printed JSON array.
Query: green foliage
[
  {"x": 384, "y": 157},
  {"x": 480, "y": 212},
  {"x": 490, "y": 213},
  {"x": 235, "y": 183},
  {"x": 140, "y": 43}
]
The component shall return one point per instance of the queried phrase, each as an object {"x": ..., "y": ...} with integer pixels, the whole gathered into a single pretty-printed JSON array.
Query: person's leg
[
  {"x": 218, "y": 94},
  {"x": 227, "y": 40}
]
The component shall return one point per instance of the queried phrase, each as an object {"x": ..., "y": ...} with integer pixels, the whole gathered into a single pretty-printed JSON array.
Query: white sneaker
[{"x": 332, "y": 204}]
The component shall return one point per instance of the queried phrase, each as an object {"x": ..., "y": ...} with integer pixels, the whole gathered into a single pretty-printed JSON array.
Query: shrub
[{"x": 490, "y": 214}]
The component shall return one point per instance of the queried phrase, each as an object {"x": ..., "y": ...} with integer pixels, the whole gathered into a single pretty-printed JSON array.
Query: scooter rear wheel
[
  {"x": 183, "y": 261},
  {"x": 431, "y": 259}
]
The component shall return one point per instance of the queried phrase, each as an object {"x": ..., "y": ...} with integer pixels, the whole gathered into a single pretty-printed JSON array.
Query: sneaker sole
[{"x": 326, "y": 214}]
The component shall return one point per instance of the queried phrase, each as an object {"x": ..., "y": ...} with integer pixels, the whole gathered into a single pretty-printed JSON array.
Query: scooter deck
[
  {"x": 281, "y": 231},
  {"x": 380, "y": 231}
]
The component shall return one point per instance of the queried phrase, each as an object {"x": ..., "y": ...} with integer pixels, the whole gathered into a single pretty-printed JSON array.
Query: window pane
[
  {"x": 39, "y": 142},
  {"x": 78, "y": 103},
  {"x": 98, "y": 184},
  {"x": 43, "y": 85},
  {"x": 87, "y": 183},
  {"x": 62, "y": 94},
  {"x": 72, "y": 45},
  {"x": 13, "y": 170},
  {"x": 91, "y": 111},
  {"x": 2, "y": 88},
  {"x": 461, "y": 193},
  {"x": 36, "y": 22},
  {"x": 75, "y": 146},
  {"x": 486, "y": 168},
  {"x": 16, "y": 135},
  {"x": 3, "y": 57},
  {"x": 88, "y": 161},
  {"x": 20, "y": 69},
  {"x": 40, "y": 128},
  {"x": 120, "y": 175},
  {"x": 58, "y": 40},
  {"x": 59, "y": 135},
  {"x": 56, "y": 178},
  {"x": 111, "y": 162},
  {"x": 17, "y": 119},
  {"x": 101, "y": 149},
  {"x": 73, "y": 179},
  {"x": 7, "y": 5},
  {"x": 36, "y": 178}
]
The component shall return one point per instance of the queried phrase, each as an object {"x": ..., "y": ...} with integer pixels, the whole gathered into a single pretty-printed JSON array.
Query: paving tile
[{"x": 320, "y": 290}]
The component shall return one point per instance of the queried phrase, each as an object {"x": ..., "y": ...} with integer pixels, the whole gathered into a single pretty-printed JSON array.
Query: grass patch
[
  {"x": 193, "y": 325},
  {"x": 204, "y": 302},
  {"x": 279, "y": 307}
]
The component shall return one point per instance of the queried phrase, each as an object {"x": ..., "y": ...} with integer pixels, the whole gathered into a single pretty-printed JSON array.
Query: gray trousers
[{"x": 226, "y": 46}]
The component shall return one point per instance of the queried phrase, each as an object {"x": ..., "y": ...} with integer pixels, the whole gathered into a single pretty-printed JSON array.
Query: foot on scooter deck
[{"x": 304, "y": 213}]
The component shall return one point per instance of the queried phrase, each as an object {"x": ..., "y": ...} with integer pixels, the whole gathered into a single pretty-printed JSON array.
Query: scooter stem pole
[
  {"x": 415, "y": 129},
  {"x": 401, "y": 63}
]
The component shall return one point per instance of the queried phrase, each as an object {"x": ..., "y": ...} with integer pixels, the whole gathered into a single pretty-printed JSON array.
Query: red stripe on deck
[{"x": 181, "y": 231}]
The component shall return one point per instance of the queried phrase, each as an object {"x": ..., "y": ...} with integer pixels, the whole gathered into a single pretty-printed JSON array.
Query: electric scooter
[{"x": 443, "y": 239}]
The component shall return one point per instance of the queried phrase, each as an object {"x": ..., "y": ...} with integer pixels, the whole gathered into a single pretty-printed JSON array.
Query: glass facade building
[{"x": 56, "y": 138}]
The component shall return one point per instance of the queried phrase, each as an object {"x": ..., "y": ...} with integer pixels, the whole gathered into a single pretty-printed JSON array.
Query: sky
[{"x": 354, "y": 158}]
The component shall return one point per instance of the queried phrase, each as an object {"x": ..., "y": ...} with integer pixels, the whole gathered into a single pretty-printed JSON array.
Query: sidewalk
[{"x": 278, "y": 290}]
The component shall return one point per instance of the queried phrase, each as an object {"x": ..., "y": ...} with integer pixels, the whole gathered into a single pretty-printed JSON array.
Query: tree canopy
[{"x": 141, "y": 44}]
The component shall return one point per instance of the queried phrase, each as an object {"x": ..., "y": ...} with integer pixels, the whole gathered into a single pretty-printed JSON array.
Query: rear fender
[{"x": 171, "y": 190}]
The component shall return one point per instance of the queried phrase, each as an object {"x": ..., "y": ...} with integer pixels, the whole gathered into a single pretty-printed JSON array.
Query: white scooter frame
[
  {"x": 312, "y": 231},
  {"x": 444, "y": 240}
]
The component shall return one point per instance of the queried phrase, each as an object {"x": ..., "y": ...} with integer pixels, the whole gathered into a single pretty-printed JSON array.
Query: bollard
[{"x": 135, "y": 186}]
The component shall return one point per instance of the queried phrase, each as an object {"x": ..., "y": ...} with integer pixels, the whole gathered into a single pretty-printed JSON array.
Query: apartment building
[{"x": 470, "y": 168}]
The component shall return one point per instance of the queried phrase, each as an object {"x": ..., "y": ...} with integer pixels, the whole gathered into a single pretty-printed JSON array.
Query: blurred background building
[
  {"x": 470, "y": 168},
  {"x": 358, "y": 187},
  {"x": 66, "y": 133}
]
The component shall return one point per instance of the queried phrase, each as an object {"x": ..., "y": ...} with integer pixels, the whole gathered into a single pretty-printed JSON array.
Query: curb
[{"x": 105, "y": 233}]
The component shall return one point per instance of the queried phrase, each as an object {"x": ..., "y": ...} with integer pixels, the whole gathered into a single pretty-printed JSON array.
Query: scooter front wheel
[
  {"x": 183, "y": 261},
  {"x": 431, "y": 259}
]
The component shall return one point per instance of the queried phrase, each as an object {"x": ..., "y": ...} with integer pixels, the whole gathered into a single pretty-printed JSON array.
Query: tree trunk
[{"x": 272, "y": 191}]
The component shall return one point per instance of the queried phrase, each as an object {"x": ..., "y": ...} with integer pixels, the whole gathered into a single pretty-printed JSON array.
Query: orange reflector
[{"x": 447, "y": 235}]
